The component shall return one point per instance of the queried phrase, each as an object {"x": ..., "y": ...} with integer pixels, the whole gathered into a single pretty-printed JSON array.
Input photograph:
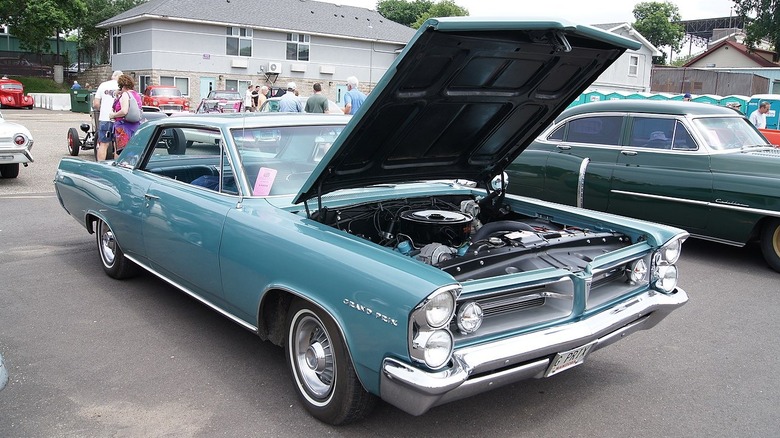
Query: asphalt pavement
[{"x": 89, "y": 356}]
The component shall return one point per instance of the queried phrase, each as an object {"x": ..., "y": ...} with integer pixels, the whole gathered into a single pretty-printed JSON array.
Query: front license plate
[{"x": 568, "y": 359}]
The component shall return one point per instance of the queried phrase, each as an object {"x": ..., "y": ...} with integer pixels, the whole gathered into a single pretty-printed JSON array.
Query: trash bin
[{"x": 80, "y": 100}]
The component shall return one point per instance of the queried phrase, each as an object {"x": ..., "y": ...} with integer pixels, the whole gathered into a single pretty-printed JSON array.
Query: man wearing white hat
[{"x": 289, "y": 102}]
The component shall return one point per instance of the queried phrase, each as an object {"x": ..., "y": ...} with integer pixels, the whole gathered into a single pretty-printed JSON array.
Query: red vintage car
[
  {"x": 166, "y": 97},
  {"x": 12, "y": 95}
]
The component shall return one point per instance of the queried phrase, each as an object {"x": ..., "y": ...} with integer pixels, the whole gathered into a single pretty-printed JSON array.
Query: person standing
[
  {"x": 289, "y": 102},
  {"x": 124, "y": 129},
  {"x": 248, "y": 100},
  {"x": 262, "y": 96},
  {"x": 687, "y": 97},
  {"x": 103, "y": 102},
  {"x": 75, "y": 86},
  {"x": 353, "y": 98},
  {"x": 317, "y": 103},
  {"x": 758, "y": 117}
]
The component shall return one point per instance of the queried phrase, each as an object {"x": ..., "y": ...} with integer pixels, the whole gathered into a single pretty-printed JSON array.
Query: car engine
[{"x": 472, "y": 238}]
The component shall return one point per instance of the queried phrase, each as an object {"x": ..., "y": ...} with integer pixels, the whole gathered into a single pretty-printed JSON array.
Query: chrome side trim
[
  {"x": 722, "y": 204},
  {"x": 581, "y": 182},
  {"x": 230, "y": 316},
  {"x": 481, "y": 367}
]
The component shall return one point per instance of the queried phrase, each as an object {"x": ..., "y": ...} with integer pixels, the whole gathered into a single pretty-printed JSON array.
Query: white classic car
[{"x": 15, "y": 145}]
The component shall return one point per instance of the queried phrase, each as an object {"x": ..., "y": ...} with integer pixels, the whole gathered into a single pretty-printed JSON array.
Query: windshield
[
  {"x": 11, "y": 86},
  {"x": 166, "y": 92},
  {"x": 729, "y": 133},
  {"x": 278, "y": 160},
  {"x": 227, "y": 95}
]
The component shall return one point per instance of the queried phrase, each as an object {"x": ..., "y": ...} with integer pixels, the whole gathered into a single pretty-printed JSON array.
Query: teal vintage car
[
  {"x": 700, "y": 167},
  {"x": 381, "y": 250}
]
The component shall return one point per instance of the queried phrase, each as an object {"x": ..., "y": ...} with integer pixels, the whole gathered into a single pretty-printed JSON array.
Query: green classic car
[
  {"x": 700, "y": 167},
  {"x": 381, "y": 250}
]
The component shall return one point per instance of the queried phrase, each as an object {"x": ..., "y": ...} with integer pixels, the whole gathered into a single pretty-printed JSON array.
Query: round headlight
[
  {"x": 439, "y": 309},
  {"x": 438, "y": 349},
  {"x": 670, "y": 253},
  {"x": 637, "y": 271},
  {"x": 469, "y": 318},
  {"x": 666, "y": 278}
]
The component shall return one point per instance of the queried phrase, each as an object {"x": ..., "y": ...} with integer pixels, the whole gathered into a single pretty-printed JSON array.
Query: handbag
[{"x": 133, "y": 109}]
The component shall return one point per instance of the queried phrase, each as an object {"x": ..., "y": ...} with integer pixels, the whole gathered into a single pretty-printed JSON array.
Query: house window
[
  {"x": 143, "y": 82},
  {"x": 237, "y": 85},
  {"x": 633, "y": 65},
  {"x": 3, "y": 29},
  {"x": 238, "y": 41},
  {"x": 775, "y": 87},
  {"x": 116, "y": 39},
  {"x": 297, "y": 47},
  {"x": 183, "y": 84}
]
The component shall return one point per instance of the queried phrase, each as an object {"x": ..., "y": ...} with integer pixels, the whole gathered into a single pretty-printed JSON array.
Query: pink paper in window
[{"x": 265, "y": 179}]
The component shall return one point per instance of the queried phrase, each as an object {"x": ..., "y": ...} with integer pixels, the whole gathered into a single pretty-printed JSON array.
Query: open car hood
[{"x": 463, "y": 99}]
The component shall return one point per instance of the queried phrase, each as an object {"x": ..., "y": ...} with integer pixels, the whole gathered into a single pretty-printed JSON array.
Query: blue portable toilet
[
  {"x": 736, "y": 98},
  {"x": 712, "y": 99},
  {"x": 661, "y": 96},
  {"x": 615, "y": 95},
  {"x": 579, "y": 100},
  {"x": 593, "y": 96},
  {"x": 774, "y": 110},
  {"x": 639, "y": 96}
]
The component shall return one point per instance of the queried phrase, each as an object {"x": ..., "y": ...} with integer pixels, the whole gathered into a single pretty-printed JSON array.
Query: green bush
[{"x": 41, "y": 85}]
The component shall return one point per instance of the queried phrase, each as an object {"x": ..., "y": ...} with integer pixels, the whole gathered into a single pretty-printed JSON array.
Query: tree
[
  {"x": 34, "y": 22},
  {"x": 414, "y": 13},
  {"x": 402, "y": 11},
  {"x": 660, "y": 24},
  {"x": 94, "y": 41},
  {"x": 765, "y": 25},
  {"x": 445, "y": 8}
]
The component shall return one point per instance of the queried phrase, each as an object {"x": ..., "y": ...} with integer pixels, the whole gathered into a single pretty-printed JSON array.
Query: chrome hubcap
[
  {"x": 313, "y": 355},
  {"x": 107, "y": 245}
]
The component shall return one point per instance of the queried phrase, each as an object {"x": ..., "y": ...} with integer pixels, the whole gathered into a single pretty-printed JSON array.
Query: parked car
[
  {"x": 22, "y": 67},
  {"x": 12, "y": 95},
  {"x": 78, "y": 67},
  {"x": 703, "y": 168},
  {"x": 221, "y": 101},
  {"x": 166, "y": 97},
  {"x": 271, "y": 105},
  {"x": 16, "y": 144},
  {"x": 381, "y": 250}
]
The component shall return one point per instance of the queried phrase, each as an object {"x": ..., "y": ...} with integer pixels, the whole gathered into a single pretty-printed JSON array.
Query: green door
[{"x": 662, "y": 175}]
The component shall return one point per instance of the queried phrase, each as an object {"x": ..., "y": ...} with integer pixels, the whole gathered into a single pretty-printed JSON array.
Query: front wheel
[
  {"x": 74, "y": 142},
  {"x": 322, "y": 371},
  {"x": 115, "y": 264},
  {"x": 770, "y": 243}
]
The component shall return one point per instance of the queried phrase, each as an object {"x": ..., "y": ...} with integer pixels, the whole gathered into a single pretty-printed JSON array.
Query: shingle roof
[
  {"x": 741, "y": 48},
  {"x": 293, "y": 15}
]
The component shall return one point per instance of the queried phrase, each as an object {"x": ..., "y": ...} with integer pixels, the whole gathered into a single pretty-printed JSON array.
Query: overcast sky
[{"x": 577, "y": 11}]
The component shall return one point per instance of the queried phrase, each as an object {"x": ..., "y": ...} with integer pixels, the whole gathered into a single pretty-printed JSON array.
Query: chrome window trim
[{"x": 581, "y": 182}]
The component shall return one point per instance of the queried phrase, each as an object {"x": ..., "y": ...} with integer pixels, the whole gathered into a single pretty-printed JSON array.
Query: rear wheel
[
  {"x": 770, "y": 243},
  {"x": 9, "y": 170},
  {"x": 115, "y": 264},
  {"x": 74, "y": 142},
  {"x": 322, "y": 371}
]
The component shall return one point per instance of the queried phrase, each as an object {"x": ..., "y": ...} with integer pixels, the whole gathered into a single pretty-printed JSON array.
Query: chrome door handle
[
  {"x": 151, "y": 197},
  {"x": 563, "y": 147},
  {"x": 629, "y": 153}
]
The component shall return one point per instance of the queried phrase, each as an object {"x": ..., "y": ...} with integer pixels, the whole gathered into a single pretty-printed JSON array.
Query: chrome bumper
[
  {"x": 15, "y": 155},
  {"x": 521, "y": 357}
]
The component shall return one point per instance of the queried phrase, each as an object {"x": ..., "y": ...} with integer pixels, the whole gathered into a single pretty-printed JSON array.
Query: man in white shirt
[
  {"x": 758, "y": 117},
  {"x": 104, "y": 101}
]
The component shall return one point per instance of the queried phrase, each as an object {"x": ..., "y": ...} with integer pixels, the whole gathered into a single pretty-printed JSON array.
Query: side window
[
  {"x": 228, "y": 183},
  {"x": 652, "y": 132},
  {"x": 683, "y": 139},
  {"x": 603, "y": 130},
  {"x": 557, "y": 135}
]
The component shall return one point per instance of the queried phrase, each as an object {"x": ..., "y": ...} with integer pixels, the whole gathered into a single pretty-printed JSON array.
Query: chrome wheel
[
  {"x": 107, "y": 245},
  {"x": 312, "y": 355}
]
